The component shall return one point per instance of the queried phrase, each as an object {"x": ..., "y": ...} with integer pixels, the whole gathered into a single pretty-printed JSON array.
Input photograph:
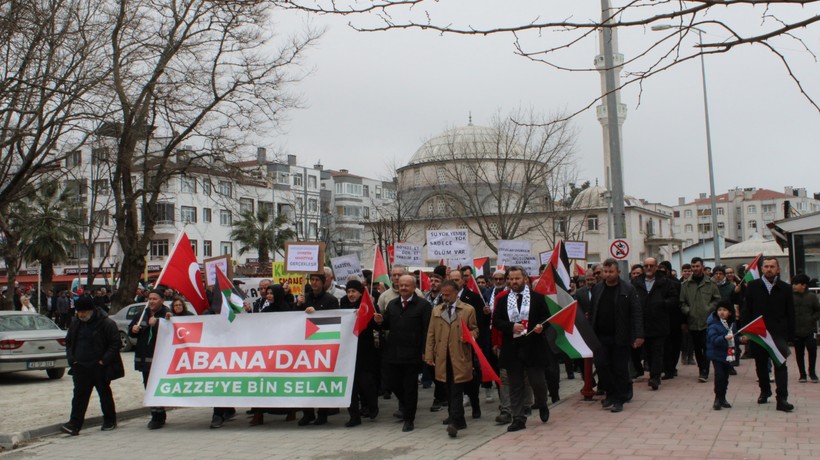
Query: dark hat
[
  {"x": 321, "y": 276},
  {"x": 355, "y": 284},
  {"x": 441, "y": 271},
  {"x": 436, "y": 276},
  {"x": 84, "y": 303}
]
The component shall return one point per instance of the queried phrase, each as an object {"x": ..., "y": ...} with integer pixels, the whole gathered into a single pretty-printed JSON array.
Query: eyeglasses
[
  {"x": 499, "y": 279},
  {"x": 648, "y": 265}
]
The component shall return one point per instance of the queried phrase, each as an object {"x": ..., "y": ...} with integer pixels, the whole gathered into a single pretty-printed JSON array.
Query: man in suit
[
  {"x": 618, "y": 321},
  {"x": 658, "y": 299},
  {"x": 518, "y": 315},
  {"x": 772, "y": 298},
  {"x": 406, "y": 318}
]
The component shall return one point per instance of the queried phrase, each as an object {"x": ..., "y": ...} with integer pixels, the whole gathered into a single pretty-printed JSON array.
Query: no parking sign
[{"x": 619, "y": 249}]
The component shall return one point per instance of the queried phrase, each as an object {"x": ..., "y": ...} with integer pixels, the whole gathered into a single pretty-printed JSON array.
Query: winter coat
[
  {"x": 776, "y": 307},
  {"x": 407, "y": 328},
  {"x": 717, "y": 347},
  {"x": 325, "y": 301},
  {"x": 529, "y": 350},
  {"x": 698, "y": 300},
  {"x": 106, "y": 343},
  {"x": 628, "y": 312},
  {"x": 657, "y": 304},
  {"x": 445, "y": 337},
  {"x": 146, "y": 337},
  {"x": 806, "y": 314}
]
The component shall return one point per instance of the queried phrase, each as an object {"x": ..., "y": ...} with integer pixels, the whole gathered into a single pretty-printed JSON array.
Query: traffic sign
[{"x": 619, "y": 249}]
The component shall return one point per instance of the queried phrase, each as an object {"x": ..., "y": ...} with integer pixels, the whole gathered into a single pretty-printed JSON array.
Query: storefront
[{"x": 801, "y": 235}]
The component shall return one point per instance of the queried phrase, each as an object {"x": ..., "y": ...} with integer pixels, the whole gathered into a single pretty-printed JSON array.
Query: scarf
[
  {"x": 514, "y": 314},
  {"x": 731, "y": 353}
]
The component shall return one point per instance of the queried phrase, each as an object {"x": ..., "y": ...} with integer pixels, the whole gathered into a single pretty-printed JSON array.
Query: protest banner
[
  {"x": 296, "y": 281},
  {"x": 576, "y": 249},
  {"x": 407, "y": 254},
  {"x": 304, "y": 257},
  {"x": 344, "y": 266},
  {"x": 452, "y": 246},
  {"x": 265, "y": 360},
  {"x": 508, "y": 249}
]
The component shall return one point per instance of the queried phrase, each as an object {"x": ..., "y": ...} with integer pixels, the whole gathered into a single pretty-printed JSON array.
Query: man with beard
[
  {"x": 144, "y": 328},
  {"x": 699, "y": 296},
  {"x": 658, "y": 299}
]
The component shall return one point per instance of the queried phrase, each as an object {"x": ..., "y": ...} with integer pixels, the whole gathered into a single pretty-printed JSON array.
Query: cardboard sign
[
  {"x": 544, "y": 257},
  {"x": 296, "y": 281},
  {"x": 530, "y": 263},
  {"x": 509, "y": 249},
  {"x": 408, "y": 254},
  {"x": 452, "y": 246},
  {"x": 304, "y": 257},
  {"x": 221, "y": 262},
  {"x": 576, "y": 249},
  {"x": 344, "y": 266}
]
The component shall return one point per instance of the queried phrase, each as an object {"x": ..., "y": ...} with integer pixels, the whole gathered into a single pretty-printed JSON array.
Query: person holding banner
[
  {"x": 772, "y": 298},
  {"x": 447, "y": 351},
  {"x": 518, "y": 312},
  {"x": 144, "y": 327}
]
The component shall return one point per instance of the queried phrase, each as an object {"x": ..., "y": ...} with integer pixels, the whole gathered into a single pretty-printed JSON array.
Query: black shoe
[
  {"x": 399, "y": 414},
  {"x": 606, "y": 403},
  {"x": 703, "y": 377},
  {"x": 452, "y": 431},
  {"x": 108, "y": 426},
  {"x": 156, "y": 424},
  {"x": 217, "y": 421},
  {"x": 374, "y": 412},
  {"x": 570, "y": 376},
  {"x": 446, "y": 421},
  {"x": 70, "y": 429},
  {"x": 725, "y": 404},
  {"x": 306, "y": 419},
  {"x": 544, "y": 413},
  {"x": 764, "y": 397},
  {"x": 477, "y": 412},
  {"x": 617, "y": 407},
  {"x": 555, "y": 399},
  {"x": 732, "y": 371},
  {"x": 716, "y": 405},
  {"x": 436, "y": 406},
  {"x": 354, "y": 421},
  {"x": 637, "y": 375},
  {"x": 386, "y": 395},
  {"x": 784, "y": 406},
  {"x": 517, "y": 425},
  {"x": 667, "y": 376},
  {"x": 654, "y": 383},
  {"x": 321, "y": 419},
  {"x": 408, "y": 426},
  {"x": 503, "y": 418}
]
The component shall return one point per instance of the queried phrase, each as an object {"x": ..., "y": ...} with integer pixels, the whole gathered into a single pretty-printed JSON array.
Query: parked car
[
  {"x": 30, "y": 341},
  {"x": 124, "y": 317}
]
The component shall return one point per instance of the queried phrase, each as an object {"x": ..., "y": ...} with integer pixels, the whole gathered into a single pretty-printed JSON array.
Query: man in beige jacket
[{"x": 449, "y": 353}]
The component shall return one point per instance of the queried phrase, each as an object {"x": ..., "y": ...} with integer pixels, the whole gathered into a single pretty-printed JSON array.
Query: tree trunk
[
  {"x": 133, "y": 265},
  {"x": 11, "y": 256},
  {"x": 46, "y": 274}
]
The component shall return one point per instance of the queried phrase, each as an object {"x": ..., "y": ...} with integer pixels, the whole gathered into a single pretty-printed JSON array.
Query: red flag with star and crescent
[
  {"x": 181, "y": 272},
  {"x": 365, "y": 313}
]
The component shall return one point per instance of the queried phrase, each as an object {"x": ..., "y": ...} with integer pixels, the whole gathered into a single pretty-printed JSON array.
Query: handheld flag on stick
[
  {"x": 777, "y": 348},
  {"x": 380, "y": 274},
  {"x": 578, "y": 340},
  {"x": 487, "y": 372},
  {"x": 181, "y": 272},
  {"x": 231, "y": 302},
  {"x": 753, "y": 270},
  {"x": 425, "y": 282},
  {"x": 365, "y": 313}
]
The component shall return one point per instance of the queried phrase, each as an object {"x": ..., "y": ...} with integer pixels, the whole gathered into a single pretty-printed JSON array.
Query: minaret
[{"x": 601, "y": 110}]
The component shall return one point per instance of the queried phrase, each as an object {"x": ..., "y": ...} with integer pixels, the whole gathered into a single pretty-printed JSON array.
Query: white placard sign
[
  {"x": 530, "y": 263},
  {"x": 545, "y": 257},
  {"x": 344, "y": 266},
  {"x": 407, "y": 254},
  {"x": 303, "y": 257},
  {"x": 576, "y": 249},
  {"x": 452, "y": 246},
  {"x": 508, "y": 249}
]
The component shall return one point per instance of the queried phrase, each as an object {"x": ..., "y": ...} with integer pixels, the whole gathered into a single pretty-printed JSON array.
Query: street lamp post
[{"x": 713, "y": 198}]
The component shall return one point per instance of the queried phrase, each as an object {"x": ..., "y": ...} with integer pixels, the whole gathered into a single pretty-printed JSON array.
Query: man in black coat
[
  {"x": 144, "y": 327},
  {"x": 672, "y": 344},
  {"x": 771, "y": 297},
  {"x": 618, "y": 321},
  {"x": 93, "y": 352},
  {"x": 406, "y": 318},
  {"x": 518, "y": 315},
  {"x": 658, "y": 299}
]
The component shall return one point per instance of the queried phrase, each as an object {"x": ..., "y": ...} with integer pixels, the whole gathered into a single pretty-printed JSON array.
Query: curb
[{"x": 15, "y": 440}]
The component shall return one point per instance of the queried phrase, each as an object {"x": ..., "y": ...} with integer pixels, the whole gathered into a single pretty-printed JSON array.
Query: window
[
  {"x": 417, "y": 178},
  {"x": 73, "y": 159},
  {"x": 441, "y": 176},
  {"x": 705, "y": 228},
  {"x": 101, "y": 187},
  {"x": 300, "y": 229},
  {"x": 283, "y": 178},
  {"x": 225, "y": 188},
  {"x": 313, "y": 205},
  {"x": 77, "y": 189},
  {"x": 245, "y": 205},
  {"x": 739, "y": 226},
  {"x": 366, "y": 212},
  {"x": 99, "y": 155},
  {"x": 79, "y": 251},
  {"x": 720, "y": 211},
  {"x": 705, "y": 212},
  {"x": 688, "y": 228},
  {"x": 650, "y": 227},
  {"x": 752, "y": 225},
  {"x": 441, "y": 206},
  {"x": 101, "y": 218},
  {"x": 313, "y": 230},
  {"x": 378, "y": 191},
  {"x": 493, "y": 228},
  {"x": 164, "y": 213},
  {"x": 560, "y": 225},
  {"x": 266, "y": 207},
  {"x": 159, "y": 248},
  {"x": 206, "y": 215},
  {"x": 300, "y": 204},
  {"x": 206, "y": 248},
  {"x": 101, "y": 249},
  {"x": 225, "y": 248},
  {"x": 225, "y": 218},
  {"x": 751, "y": 209},
  {"x": 187, "y": 214},
  {"x": 687, "y": 214},
  {"x": 206, "y": 186},
  {"x": 193, "y": 247},
  {"x": 721, "y": 226},
  {"x": 312, "y": 182},
  {"x": 365, "y": 191},
  {"x": 592, "y": 223},
  {"x": 187, "y": 184},
  {"x": 297, "y": 180}
]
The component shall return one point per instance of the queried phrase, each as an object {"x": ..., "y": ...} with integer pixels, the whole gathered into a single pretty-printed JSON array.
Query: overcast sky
[{"x": 372, "y": 99}]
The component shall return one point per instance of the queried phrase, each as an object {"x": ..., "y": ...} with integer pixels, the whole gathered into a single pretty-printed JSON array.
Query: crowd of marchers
[{"x": 649, "y": 321}]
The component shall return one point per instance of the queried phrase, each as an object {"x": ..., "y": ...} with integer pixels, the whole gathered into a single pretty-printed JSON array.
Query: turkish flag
[
  {"x": 181, "y": 272},
  {"x": 187, "y": 333},
  {"x": 365, "y": 313},
  {"x": 425, "y": 282},
  {"x": 391, "y": 253},
  {"x": 473, "y": 286}
]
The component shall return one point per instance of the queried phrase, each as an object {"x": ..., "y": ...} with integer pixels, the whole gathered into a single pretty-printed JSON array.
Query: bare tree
[
  {"x": 545, "y": 35},
  {"x": 197, "y": 71},
  {"x": 566, "y": 219}
]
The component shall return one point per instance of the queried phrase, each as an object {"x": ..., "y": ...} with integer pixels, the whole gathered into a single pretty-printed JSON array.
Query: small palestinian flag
[
  {"x": 380, "y": 274},
  {"x": 323, "y": 328},
  {"x": 756, "y": 331},
  {"x": 578, "y": 339},
  {"x": 753, "y": 270},
  {"x": 231, "y": 302}
]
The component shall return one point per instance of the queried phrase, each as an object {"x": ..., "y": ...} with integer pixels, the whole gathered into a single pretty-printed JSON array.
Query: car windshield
[{"x": 26, "y": 323}]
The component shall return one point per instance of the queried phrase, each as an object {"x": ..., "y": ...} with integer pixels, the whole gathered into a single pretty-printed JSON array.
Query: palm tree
[
  {"x": 261, "y": 232},
  {"x": 49, "y": 232}
]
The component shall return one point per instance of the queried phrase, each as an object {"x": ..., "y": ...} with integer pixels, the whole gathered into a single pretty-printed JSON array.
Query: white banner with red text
[{"x": 289, "y": 359}]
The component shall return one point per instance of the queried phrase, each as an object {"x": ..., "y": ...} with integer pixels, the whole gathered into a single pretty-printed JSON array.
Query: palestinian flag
[
  {"x": 380, "y": 274},
  {"x": 578, "y": 339},
  {"x": 324, "y": 328},
  {"x": 482, "y": 266},
  {"x": 556, "y": 297},
  {"x": 231, "y": 302},
  {"x": 753, "y": 269},
  {"x": 756, "y": 331},
  {"x": 472, "y": 285}
]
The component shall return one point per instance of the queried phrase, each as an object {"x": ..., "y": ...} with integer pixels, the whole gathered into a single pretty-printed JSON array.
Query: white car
[{"x": 30, "y": 341}]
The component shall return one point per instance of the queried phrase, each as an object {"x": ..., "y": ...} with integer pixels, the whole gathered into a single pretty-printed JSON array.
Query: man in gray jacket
[{"x": 699, "y": 296}]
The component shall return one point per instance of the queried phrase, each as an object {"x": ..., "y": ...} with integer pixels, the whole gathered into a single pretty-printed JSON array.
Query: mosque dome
[
  {"x": 595, "y": 197},
  {"x": 750, "y": 248},
  {"x": 466, "y": 143}
]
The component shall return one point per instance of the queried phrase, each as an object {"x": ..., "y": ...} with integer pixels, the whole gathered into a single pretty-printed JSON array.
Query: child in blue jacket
[{"x": 720, "y": 344}]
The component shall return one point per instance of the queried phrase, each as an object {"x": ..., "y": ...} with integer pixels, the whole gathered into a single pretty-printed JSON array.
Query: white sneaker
[
  {"x": 771, "y": 377},
  {"x": 488, "y": 395},
  {"x": 466, "y": 401}
]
